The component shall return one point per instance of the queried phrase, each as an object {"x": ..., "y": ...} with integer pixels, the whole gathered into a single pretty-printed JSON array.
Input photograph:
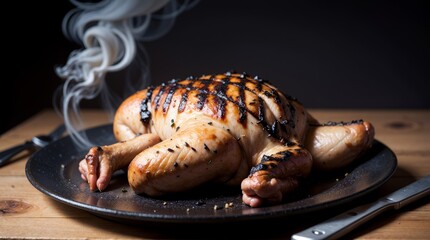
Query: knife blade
[{"x": 343, "y": 223}]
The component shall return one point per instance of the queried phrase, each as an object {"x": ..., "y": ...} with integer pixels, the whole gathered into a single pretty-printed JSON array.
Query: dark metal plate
[{"x": 54, "y": 171}]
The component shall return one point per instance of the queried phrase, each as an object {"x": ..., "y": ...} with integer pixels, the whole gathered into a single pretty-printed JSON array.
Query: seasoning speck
[
  {"x": 206, "y": 147},
  {"x": 170, "y": 150}
]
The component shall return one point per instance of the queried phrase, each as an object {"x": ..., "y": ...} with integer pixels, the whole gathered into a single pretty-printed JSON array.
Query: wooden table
[{"x": 27, "y": 213}]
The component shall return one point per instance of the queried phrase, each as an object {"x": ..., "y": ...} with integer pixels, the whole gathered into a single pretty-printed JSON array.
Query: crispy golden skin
[{"x": 228, "y": 128}]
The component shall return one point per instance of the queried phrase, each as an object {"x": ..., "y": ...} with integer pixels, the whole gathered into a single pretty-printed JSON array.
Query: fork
[{"x": 36, "y": 143}]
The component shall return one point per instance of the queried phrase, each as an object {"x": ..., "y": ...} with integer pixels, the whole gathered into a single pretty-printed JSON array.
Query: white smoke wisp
[{"x": 111, "y": 32}]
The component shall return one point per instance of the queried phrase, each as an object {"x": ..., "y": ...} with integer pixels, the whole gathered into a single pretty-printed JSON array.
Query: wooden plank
[
  {"x": 71, "y": 228},
  {"x": 28, "y": 213},
  {"x": 391, "y": 228}
]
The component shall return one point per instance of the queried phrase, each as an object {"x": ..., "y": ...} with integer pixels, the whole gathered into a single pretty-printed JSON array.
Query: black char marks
[
  {"x": 259, "y": 84},
  {"x": 203, "y": 94},
  {"x": 184, "y": 97},
  {"x": 221, "y": 97},
  {"x": 241, "y": 100},
  {"x": 145, "y": 114},
  {"x": 218, "y": 86},
  {"x": 330, "y": 123},
  {"x": 270, "y": 162},
  {"x": 172, "y": 90},
  {"x": 157, "y": 98}
]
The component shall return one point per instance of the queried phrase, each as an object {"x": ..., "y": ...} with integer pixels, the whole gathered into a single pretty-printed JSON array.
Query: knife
[{"x": 343, "y": 223}]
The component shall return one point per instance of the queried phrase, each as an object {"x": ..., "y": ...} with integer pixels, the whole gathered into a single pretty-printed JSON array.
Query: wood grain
[{"x": 27, "y": 213}]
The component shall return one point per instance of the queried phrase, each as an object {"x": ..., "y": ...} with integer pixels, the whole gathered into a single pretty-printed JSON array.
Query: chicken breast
[{"x": 228, "y": 128}]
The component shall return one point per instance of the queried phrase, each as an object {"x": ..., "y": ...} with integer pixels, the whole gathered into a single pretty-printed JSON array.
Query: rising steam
[{"x": 111, "y": 33}]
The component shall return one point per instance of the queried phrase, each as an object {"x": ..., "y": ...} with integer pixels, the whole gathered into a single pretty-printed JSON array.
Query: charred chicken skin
[{"x": 228, "y": 128}]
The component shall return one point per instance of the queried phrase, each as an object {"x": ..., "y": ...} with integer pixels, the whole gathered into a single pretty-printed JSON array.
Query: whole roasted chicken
[{"x": 228, "y": 128}]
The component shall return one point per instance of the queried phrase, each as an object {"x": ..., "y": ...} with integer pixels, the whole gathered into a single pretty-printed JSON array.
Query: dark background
[{"x": 328, "y": 54}]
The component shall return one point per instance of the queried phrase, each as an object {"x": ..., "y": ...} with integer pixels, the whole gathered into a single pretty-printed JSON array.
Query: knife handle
[
  {"x": 8, "y": 154},
  {"x": 347, "y": 221}
]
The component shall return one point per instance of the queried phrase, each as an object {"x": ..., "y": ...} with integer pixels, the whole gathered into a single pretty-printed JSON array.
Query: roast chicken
[{"x": 229, "y": 128}]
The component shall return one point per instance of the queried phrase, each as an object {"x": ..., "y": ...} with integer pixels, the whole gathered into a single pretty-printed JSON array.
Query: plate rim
[{"x": 122, "y": 215}]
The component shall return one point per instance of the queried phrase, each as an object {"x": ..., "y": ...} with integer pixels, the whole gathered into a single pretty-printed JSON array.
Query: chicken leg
[
  {"x": 278, "y": 173},
  {"x": 102, "y": 161},
  {"x": 191, "y": 157}
]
